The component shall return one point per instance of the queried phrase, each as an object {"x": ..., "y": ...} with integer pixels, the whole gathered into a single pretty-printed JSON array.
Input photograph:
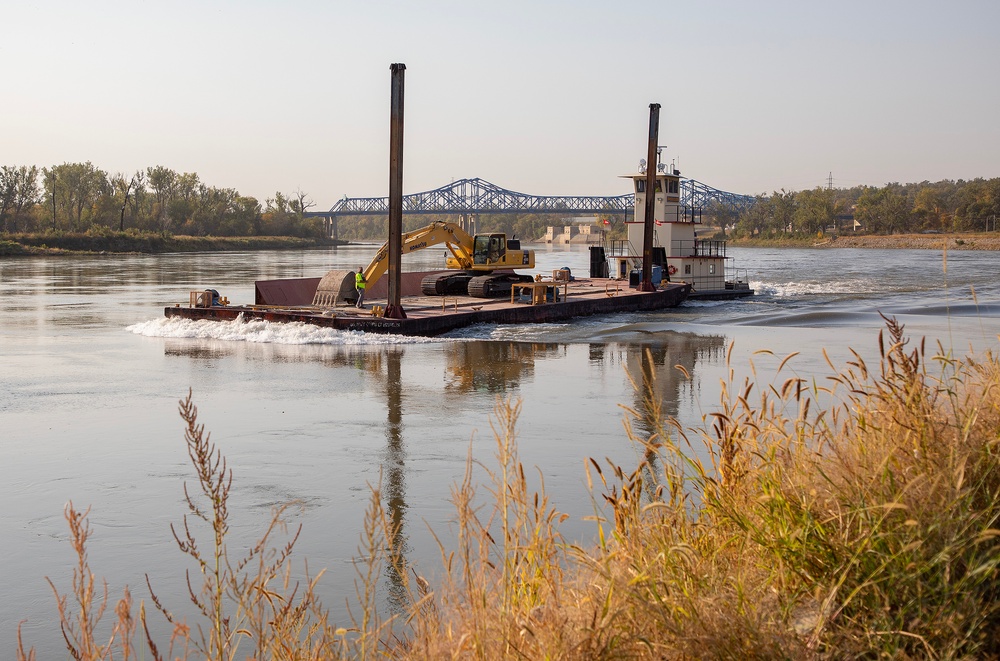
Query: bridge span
[{"x": 470, "y": 197}]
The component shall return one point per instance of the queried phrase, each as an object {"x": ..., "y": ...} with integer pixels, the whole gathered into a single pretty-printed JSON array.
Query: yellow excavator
[{"x": 481, "y": 265}]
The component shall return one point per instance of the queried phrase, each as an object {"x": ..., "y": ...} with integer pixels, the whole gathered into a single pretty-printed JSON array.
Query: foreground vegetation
[{"x": 853, "y": 519}]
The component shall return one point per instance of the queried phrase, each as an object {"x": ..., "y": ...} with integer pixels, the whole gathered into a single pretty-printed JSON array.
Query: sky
[{"x": 545, "y": 97}]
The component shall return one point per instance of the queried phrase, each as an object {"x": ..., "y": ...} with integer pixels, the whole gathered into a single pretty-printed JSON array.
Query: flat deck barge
[{"x": 536, "y": 302}]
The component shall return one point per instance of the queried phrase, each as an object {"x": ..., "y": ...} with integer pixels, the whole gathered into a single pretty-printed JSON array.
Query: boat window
[
  {"x": 711, "y": 269},
  {"x": 687, "y": 269},
  {"x": 640, "y": 185},
  {"x": 672, "y": 186},
  {"x": 659, "y": 185}
]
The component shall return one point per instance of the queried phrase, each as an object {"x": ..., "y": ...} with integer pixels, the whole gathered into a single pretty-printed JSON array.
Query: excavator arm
[
  {"x": 457, "y": 240},
  {"x": 488, "y": 254}
]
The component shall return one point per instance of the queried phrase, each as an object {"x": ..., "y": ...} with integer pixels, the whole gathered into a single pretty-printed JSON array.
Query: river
[{"x": 92, "y": 372}]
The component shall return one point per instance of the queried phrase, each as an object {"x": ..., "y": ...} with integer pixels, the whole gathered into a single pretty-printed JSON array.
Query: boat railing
[
  {"x": 698, "y": 248},
  {"x": 682, "y": 214},
  {"x": 737, "y": 278},
  {"x": 620, "y": 248}
]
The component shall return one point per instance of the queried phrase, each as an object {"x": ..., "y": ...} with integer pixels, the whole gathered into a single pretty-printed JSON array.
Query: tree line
[
  {"x": 78, "y": 197},
  {"x": 943, "y": 206}
]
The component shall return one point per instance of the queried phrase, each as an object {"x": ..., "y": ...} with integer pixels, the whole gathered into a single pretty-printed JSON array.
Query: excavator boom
[
  {"x": 473, "y": 258},
  {"x": 459, "y": 242}
]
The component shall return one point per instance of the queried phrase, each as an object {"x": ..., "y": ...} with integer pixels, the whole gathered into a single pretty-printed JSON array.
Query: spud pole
[
  {"x": 394, "y": 306},
  {"x": 647, "y": 228}
]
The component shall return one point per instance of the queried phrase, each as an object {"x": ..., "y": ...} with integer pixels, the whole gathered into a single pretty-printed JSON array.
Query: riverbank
[
  {"x": 975, "y": 241},
  {"x": 129, "y": 242}
]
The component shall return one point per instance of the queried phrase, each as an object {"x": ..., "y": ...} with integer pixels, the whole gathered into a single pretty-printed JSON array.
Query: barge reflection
[{"x": 495, "y": 367}]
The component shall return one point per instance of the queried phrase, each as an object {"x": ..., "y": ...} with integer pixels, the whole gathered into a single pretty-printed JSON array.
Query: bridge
[{"x": 471, "y": 197}]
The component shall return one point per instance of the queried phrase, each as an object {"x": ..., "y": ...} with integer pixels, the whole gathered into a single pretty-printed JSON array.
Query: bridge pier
[{"x": 468, "y": 222}]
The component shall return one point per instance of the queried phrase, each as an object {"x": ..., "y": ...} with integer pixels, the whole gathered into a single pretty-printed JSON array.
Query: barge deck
[{"x": 539, "y": 302}]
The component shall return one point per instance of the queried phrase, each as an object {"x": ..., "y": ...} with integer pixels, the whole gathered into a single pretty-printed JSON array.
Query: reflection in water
[
  {"x": 394, "y": 480},
  {"x": 661, "y": 373},
  {"x": 201, "y": 351},
  {"x": 494, "y": 367},
  {"x": 364, "y": 358},
  {"x": 661, "y": 391},
  {"x": 384, "y": 364},
  {"x": 655, "y": 370}
]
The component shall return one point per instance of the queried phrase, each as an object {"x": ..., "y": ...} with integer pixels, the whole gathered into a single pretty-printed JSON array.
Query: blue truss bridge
[{"x": 471, "y": 197}]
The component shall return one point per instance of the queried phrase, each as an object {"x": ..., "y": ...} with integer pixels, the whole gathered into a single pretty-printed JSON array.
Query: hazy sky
[{"x": 544, "y": 97}]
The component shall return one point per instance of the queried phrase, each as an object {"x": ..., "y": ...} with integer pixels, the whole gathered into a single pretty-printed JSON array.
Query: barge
[
  {"x": 559, "y": 298},
  {"x": 481, "y": 285}
]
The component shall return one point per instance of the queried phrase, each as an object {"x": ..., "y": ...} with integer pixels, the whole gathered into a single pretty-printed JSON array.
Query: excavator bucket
[{"x": 336, "y": 287}]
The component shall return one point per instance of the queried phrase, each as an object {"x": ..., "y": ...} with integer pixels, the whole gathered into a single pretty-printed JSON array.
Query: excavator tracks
[
  {"x": 495, "y": 285},
  {"x": 445, "y": 284}
]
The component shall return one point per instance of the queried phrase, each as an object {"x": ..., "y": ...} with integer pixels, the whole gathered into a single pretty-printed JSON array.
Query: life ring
[{"x": 671, "y": 269}]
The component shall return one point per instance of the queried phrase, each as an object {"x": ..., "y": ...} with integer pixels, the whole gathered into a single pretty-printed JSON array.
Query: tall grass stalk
[{"x": 250, "y": 607}]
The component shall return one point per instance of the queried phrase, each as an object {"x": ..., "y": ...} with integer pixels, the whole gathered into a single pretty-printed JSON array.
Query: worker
[{"x": 359, "y": 284}]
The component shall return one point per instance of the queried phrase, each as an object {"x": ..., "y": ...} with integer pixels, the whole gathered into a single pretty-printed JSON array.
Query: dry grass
[{"x": 865, "y": 527}]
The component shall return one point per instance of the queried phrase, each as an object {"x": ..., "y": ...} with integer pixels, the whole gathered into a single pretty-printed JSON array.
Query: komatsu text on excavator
[{"x": 482, "y": 265}]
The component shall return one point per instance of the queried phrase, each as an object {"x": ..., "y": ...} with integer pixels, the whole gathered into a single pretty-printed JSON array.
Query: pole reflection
[
  {"x": 664, "y": 374},
  {"x": 394, "y": 481}
]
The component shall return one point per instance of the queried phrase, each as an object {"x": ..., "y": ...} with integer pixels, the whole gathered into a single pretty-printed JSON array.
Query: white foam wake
[
  {"x": 792, "y": 289},
  {"x": 260, "y": 331}
]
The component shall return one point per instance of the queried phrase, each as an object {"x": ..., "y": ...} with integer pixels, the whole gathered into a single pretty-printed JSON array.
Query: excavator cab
[{"x": 489, "y": 248}]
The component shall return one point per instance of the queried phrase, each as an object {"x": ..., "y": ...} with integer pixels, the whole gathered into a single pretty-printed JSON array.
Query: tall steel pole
[
  {"x": 647, "y": 233},
  {"x": 394, "y": 306}
]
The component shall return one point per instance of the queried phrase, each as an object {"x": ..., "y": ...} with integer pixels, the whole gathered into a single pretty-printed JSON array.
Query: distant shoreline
[
  {"x": 125, "y": 243},
  {"x": 82, "y": 244},
  {"x": 977, "y": 241}
]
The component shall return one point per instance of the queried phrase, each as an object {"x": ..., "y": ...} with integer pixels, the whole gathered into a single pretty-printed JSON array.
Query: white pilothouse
[{"x": 678, "y": 254}]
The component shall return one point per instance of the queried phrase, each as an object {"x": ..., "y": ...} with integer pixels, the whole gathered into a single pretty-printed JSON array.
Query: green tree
[
  {"x": 978, "y": 204},
  {"x": 183, "y": 205},
  {"x": 243, "y": 217},
  {"x": 884, "y": 210},
  {"x": 929, "y": 207},
  {"x": 76, "y": 188},
  {"x": 758, "y": 220},
  {"x": 814, "y": 211},
  {"x": 18, "y": 194},
  {"x": 162, "y": 183},
  {"x": 784, "y": 210}
]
